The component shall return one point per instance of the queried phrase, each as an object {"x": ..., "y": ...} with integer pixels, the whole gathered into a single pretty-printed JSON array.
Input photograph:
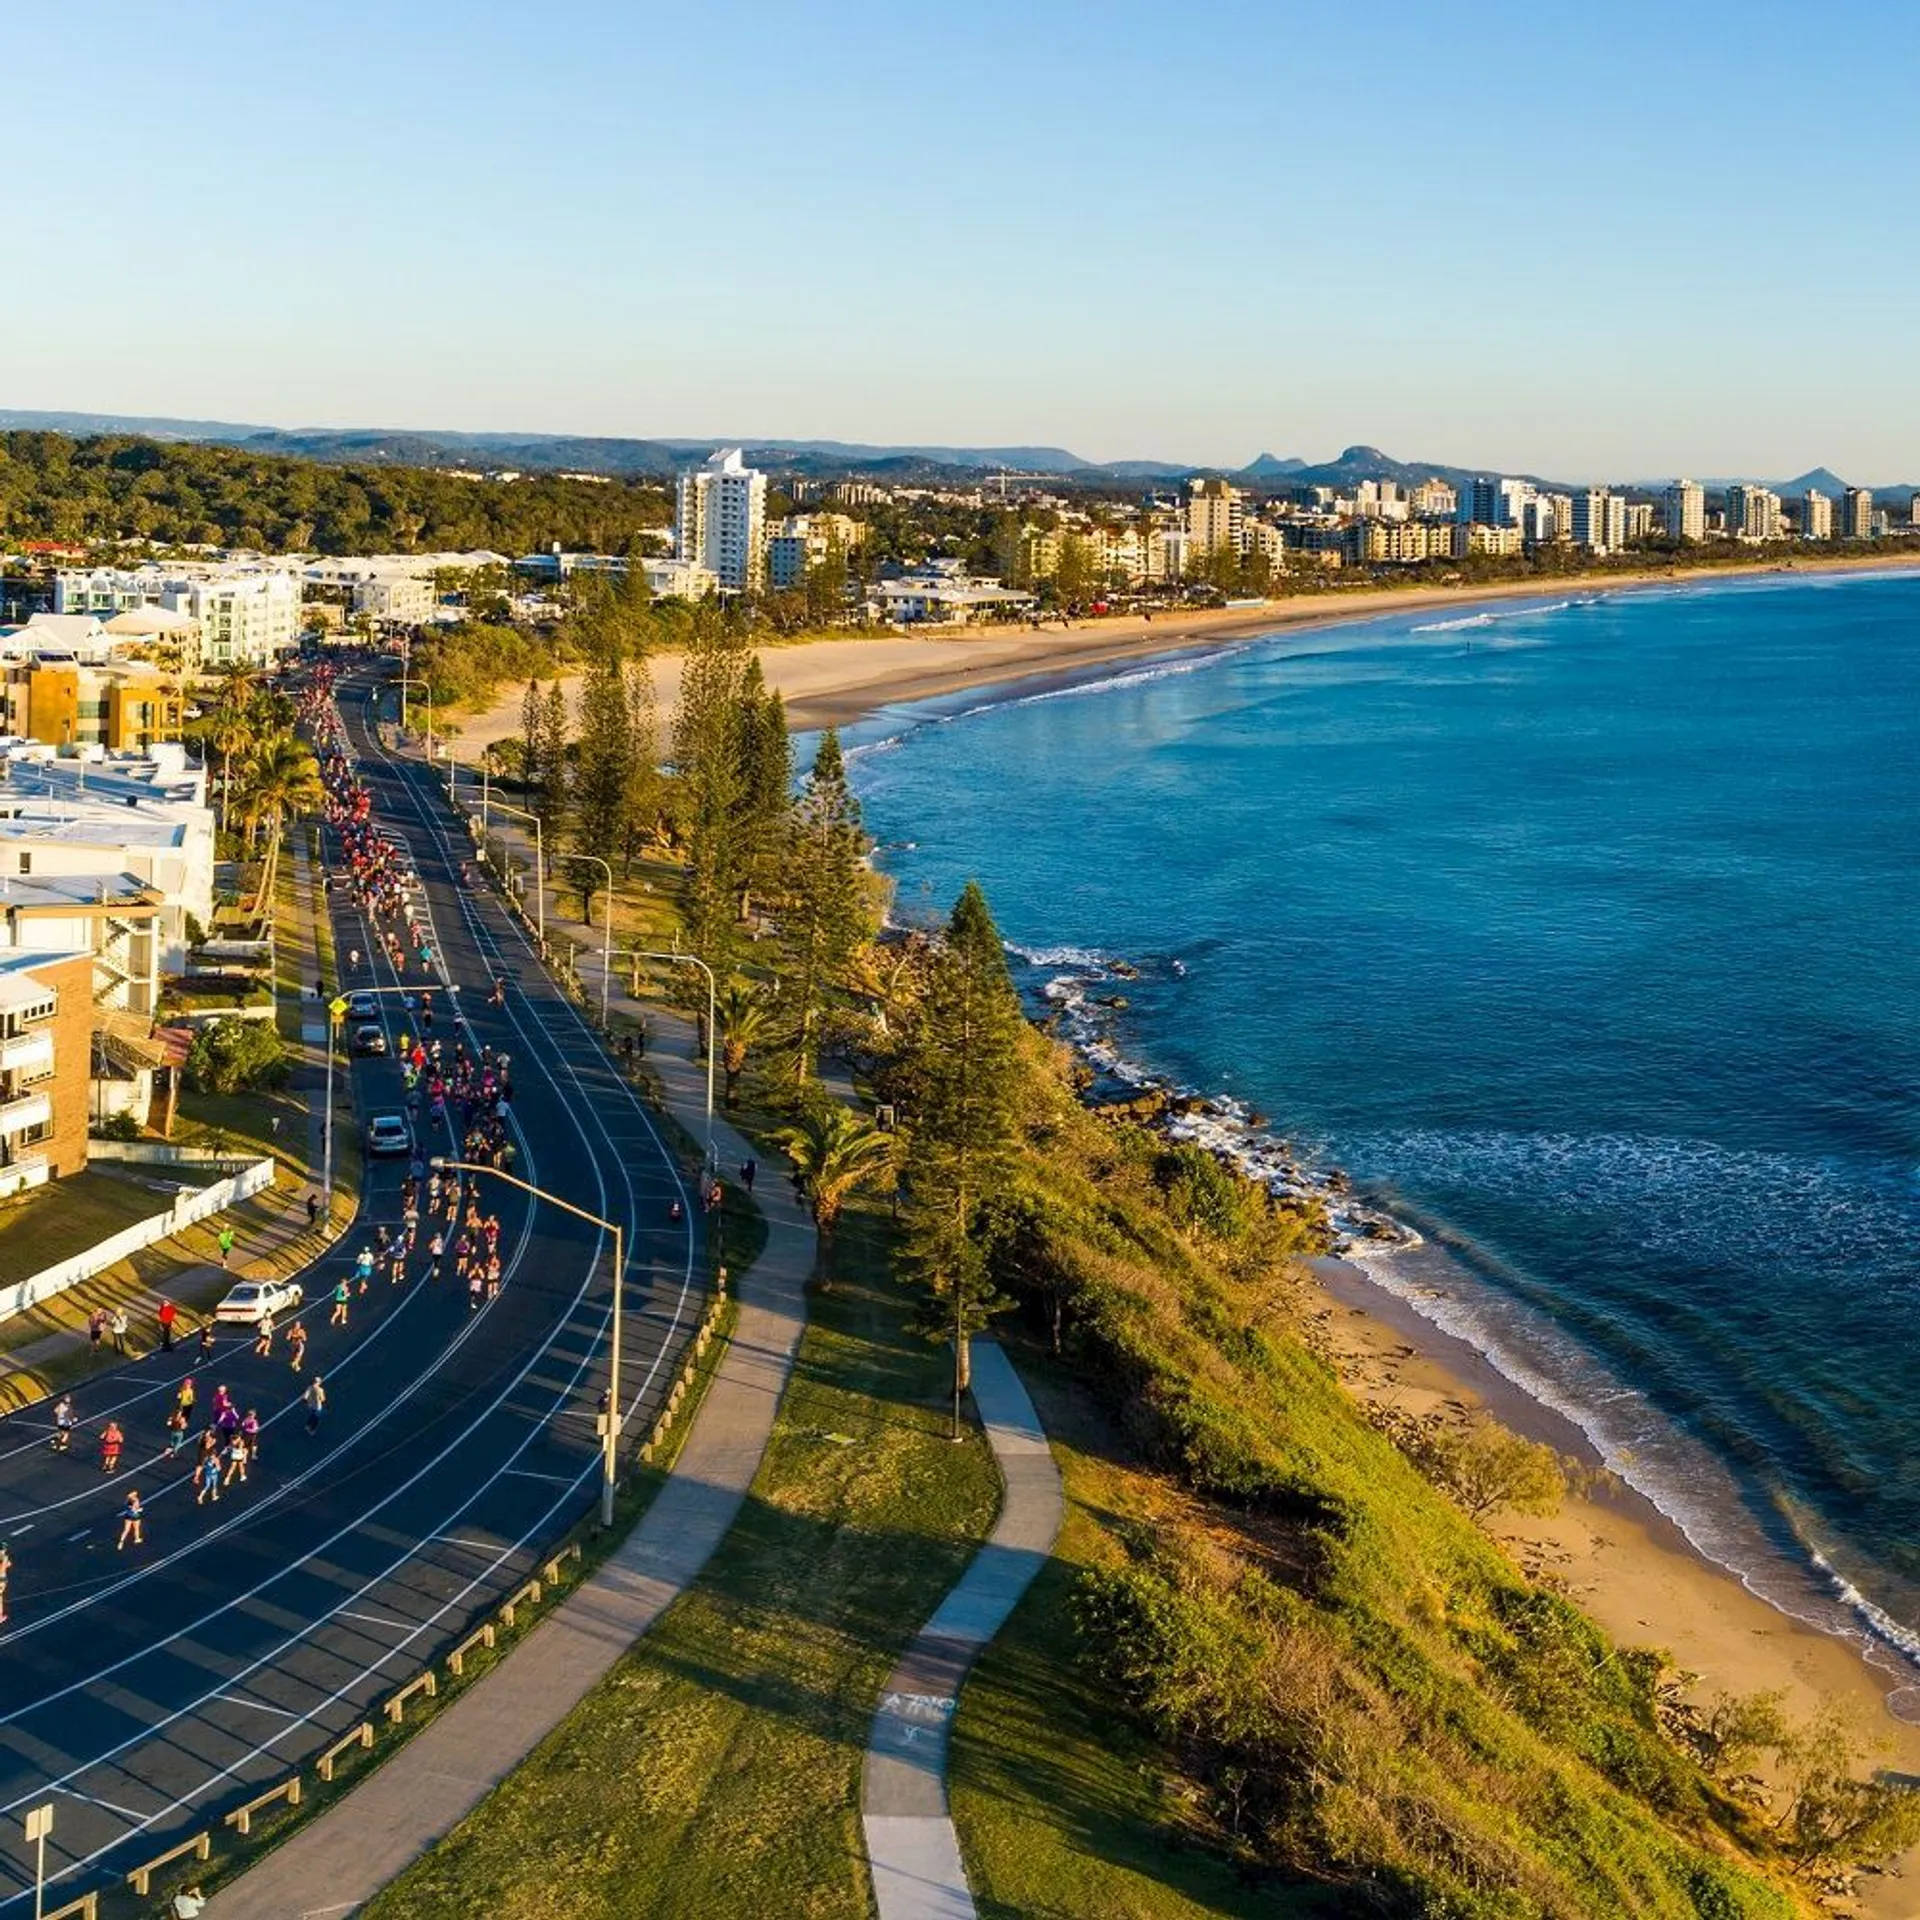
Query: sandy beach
[
  {"x": 836, "y": 682},
  {"x": 1615, "y": 1553}
]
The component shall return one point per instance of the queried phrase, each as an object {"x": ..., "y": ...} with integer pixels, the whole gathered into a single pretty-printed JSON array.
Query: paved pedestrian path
[
  {"x": 338, "y": 1862},
  {"x": 911, "y": 1845}
]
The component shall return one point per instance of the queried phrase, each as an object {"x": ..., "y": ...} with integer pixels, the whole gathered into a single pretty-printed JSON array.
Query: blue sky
[{"x": 1606, "y": 242}]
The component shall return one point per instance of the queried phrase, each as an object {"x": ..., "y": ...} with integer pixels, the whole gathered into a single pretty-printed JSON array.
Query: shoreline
[{"x": 839, "y": 682}]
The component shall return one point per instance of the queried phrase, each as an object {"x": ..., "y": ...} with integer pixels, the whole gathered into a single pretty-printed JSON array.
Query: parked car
[
  {"x": 369, "y": 1041},
  {"x": 362, "y": 1006},
  {"x": 388, "y": 1134},
  {"x": 247, "y": 1300}
]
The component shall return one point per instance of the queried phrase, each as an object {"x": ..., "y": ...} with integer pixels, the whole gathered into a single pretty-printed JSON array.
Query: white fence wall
[{"x": 195, "y": 1204}]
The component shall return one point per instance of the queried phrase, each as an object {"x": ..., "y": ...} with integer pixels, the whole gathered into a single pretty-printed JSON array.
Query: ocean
[{"x": 1585, "y": 937}]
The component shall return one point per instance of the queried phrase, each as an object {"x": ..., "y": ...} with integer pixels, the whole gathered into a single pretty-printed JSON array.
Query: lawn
[
  {"x": 1064, "y": 1807},
  {"x": 716, "y": 1769},
  {"x": 66, "y": 1217}
]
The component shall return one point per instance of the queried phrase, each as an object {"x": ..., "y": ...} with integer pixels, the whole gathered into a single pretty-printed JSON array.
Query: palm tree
[
  {"x": 835, "y": 1151},
  {"x": 743, "y": 1017},
  {"x": 283, "y": 781},
  {"x": 234, "y": 723}
]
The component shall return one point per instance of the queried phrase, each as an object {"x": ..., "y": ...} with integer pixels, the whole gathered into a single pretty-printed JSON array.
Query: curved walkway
[
  {"x": 341, "y": 1860},
  {"x": 917, "y": 1874}
]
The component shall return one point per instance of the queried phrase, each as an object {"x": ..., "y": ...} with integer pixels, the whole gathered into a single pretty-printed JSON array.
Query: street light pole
[
  {"x": 610, "y": 1430},
  {"x": 606, "y": 949},
  {"x": 404, "y": 683},
  {"x": 539, "y": 865},
  {"x": 713, "y": 1036}
]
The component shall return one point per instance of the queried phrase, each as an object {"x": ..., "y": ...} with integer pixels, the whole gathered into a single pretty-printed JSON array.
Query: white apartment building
[
  {"x": 1599, "y": 521},
  {"x": 721, "y": 519},
  {"x": 804, "y": 540},
  {"x": 1216, "y": 517},
  {"x": 1859, "y": 513},
  {"x": 1434, "y": 500},
  {"x": 1491, "y": 501},
  {"x": 1684, "y": 511},
  {"x": 114, "y": 819},
  {"x": 1816, "y": 516},
  {"x": 1753, "y": 513},
  {"x": 248, "y": 615}
]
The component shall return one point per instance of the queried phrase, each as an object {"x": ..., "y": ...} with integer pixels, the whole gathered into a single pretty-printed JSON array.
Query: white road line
[
  {"x": 477, "y": 1546},
  {"x": 259, "y": 1706},
  {"x": 372, "y": 1619},
  {"x": 81, "y": 1535},
  {"x": 558, "y": 1479},
  {"x": 126, "y": 1813}
]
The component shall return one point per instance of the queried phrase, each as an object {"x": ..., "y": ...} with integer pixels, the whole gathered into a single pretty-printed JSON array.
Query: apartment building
[
  {"x": 1398, "y": 543},
  {"x": 1858, "y": 505},
  {"x": 1491, "y": 501},
  {"x": 805, "y": 540},
  {"x": 249, "y": 614},
  {"x": 1816, "y": 516},
  {"x": 1433, "y": 500},
  {"x": 123, "y": 706},
  {"x": 1216, "y": 517},
  {"x": 1753, "y": 513},
  {"x": 1684, "y": 510},
  {"x": 45, "y": 1051},
  {"x": 720, "y": 520}
]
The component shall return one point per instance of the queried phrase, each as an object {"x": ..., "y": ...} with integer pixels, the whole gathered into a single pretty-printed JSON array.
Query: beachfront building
[
  {"x": 1753, "y": 513},
  {"x": 45, "y": 1047},
  {"x": 1216, "y": 518},
  {"x": 65, "y": 702},
  {"x": 1398, "y": 543},
  {"x": 1433, "y": 500},
  {"x": 806, "y": 540},
  {"x": 1684, "y": 510},
  {"x": 1859, "y": 513},
  {"x": 248, "y": 613},
  {"x": 720, "y": 520},
  {"x": 1471, "y": 538},
  {"x": 941, "y": 593},
  {"x": 1816, "y": 516},
  {"x": 1491, "y": 501},
  {"x": 668, "y": 578}
]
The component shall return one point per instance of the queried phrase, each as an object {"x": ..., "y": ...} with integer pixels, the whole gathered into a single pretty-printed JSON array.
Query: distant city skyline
[{"x": 1016, "y": 225}]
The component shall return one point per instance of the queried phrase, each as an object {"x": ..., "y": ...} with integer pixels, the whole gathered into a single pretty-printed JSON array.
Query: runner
[
  {"x": 176, "y": 1430},
  {"x": 131, "y": 1517},
  {"x": 206, "y": 1343},
  {"x": 315, "y": 1399},
  {"x": 226, "y": 1247},
  {"x": 341, "y": 1295},
  {"x": 111, "y": 1441},
  {"x": 475, "y": 1281},
  {"x": 236, "y": 1460},
  {"x": 6, "y": 1567},
  {"x": 363, "y": 1270},
  {"x": 250, "y": 1427},
  {"x": 436, "y": 1247},
  {"x": 263, "y": 1336},
  {"x": 186, "y": 1398},
  {"x": 64, "y": 1422},
  {"x": 297, "y": 1345},
  {"x": 206, "y": 1480}
]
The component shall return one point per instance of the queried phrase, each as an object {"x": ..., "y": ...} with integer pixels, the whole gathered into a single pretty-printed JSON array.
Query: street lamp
[
  {"x": 539, "y": 859},
  {"x": 610, "y": 1426},
  {"x": 606, "y": 949},
  {"x": 403, "y": 683},
  {"x": 713, "y": 1036}
]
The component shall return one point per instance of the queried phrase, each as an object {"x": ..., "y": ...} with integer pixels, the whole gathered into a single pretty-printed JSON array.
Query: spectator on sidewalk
[
  {"x": 167, "y": 1315},
  {"x": 119, "y": 1324}
]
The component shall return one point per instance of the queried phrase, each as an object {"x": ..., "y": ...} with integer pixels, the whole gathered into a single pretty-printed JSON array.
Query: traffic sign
[{"x": 337, "y": 1006}]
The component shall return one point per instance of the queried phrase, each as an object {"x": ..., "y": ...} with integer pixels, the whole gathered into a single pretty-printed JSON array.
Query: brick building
[{"x": 46, "y": 1051}]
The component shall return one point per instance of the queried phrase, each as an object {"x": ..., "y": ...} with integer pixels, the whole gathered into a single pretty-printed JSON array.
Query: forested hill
[{"x": 122, "y": 487}]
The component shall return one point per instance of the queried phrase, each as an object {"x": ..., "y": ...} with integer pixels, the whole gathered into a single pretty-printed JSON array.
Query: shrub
[{"x": 237, "y": 1056}]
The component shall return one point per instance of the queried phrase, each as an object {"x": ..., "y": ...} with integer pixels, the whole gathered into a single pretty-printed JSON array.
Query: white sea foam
[
  {"x": 1083, "y": 957},
  {"x": 1491, "y": 616}
]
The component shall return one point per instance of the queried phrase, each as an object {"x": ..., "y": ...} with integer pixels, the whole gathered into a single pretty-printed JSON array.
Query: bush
[
  {"x": 119, "y": 1126},
  {"x": 237, "y": 1056}
]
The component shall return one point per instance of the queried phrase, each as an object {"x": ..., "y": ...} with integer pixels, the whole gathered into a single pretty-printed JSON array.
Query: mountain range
[{"x": 809, "y": 459}]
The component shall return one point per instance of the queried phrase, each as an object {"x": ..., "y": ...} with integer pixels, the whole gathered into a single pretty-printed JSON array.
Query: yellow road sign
[{"x": 337, "y": 1006}]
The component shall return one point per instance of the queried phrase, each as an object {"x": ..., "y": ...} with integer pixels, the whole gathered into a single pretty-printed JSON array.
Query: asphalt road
[{"x": 145, "y": 1693}]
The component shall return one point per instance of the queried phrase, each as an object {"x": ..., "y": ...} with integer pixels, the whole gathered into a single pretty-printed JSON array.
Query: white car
[
  {"x": 388, "y": 1133},
  {"x": 247, "y": 1300}
]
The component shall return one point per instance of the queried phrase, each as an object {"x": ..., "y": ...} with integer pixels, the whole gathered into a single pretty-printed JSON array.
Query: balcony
[
  {"x": 31, "y": 1110},
  {"x": 27, "y": 1170},
  {"x": 26, "y": 1052}
]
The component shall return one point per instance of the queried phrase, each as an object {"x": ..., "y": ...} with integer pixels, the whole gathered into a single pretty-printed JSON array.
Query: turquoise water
[{"x": 1586, "y": 937}]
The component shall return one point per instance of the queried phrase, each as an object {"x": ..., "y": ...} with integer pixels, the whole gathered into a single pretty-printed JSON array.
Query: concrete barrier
[
  {"x": 200, "y": 1846},
  {"x": 197, "y": 1204}
]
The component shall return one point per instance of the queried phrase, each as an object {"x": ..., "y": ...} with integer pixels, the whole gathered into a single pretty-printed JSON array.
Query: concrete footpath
[
  {"x": 915, "y": 1855},
  {"x": 341, "y": 1860}
]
